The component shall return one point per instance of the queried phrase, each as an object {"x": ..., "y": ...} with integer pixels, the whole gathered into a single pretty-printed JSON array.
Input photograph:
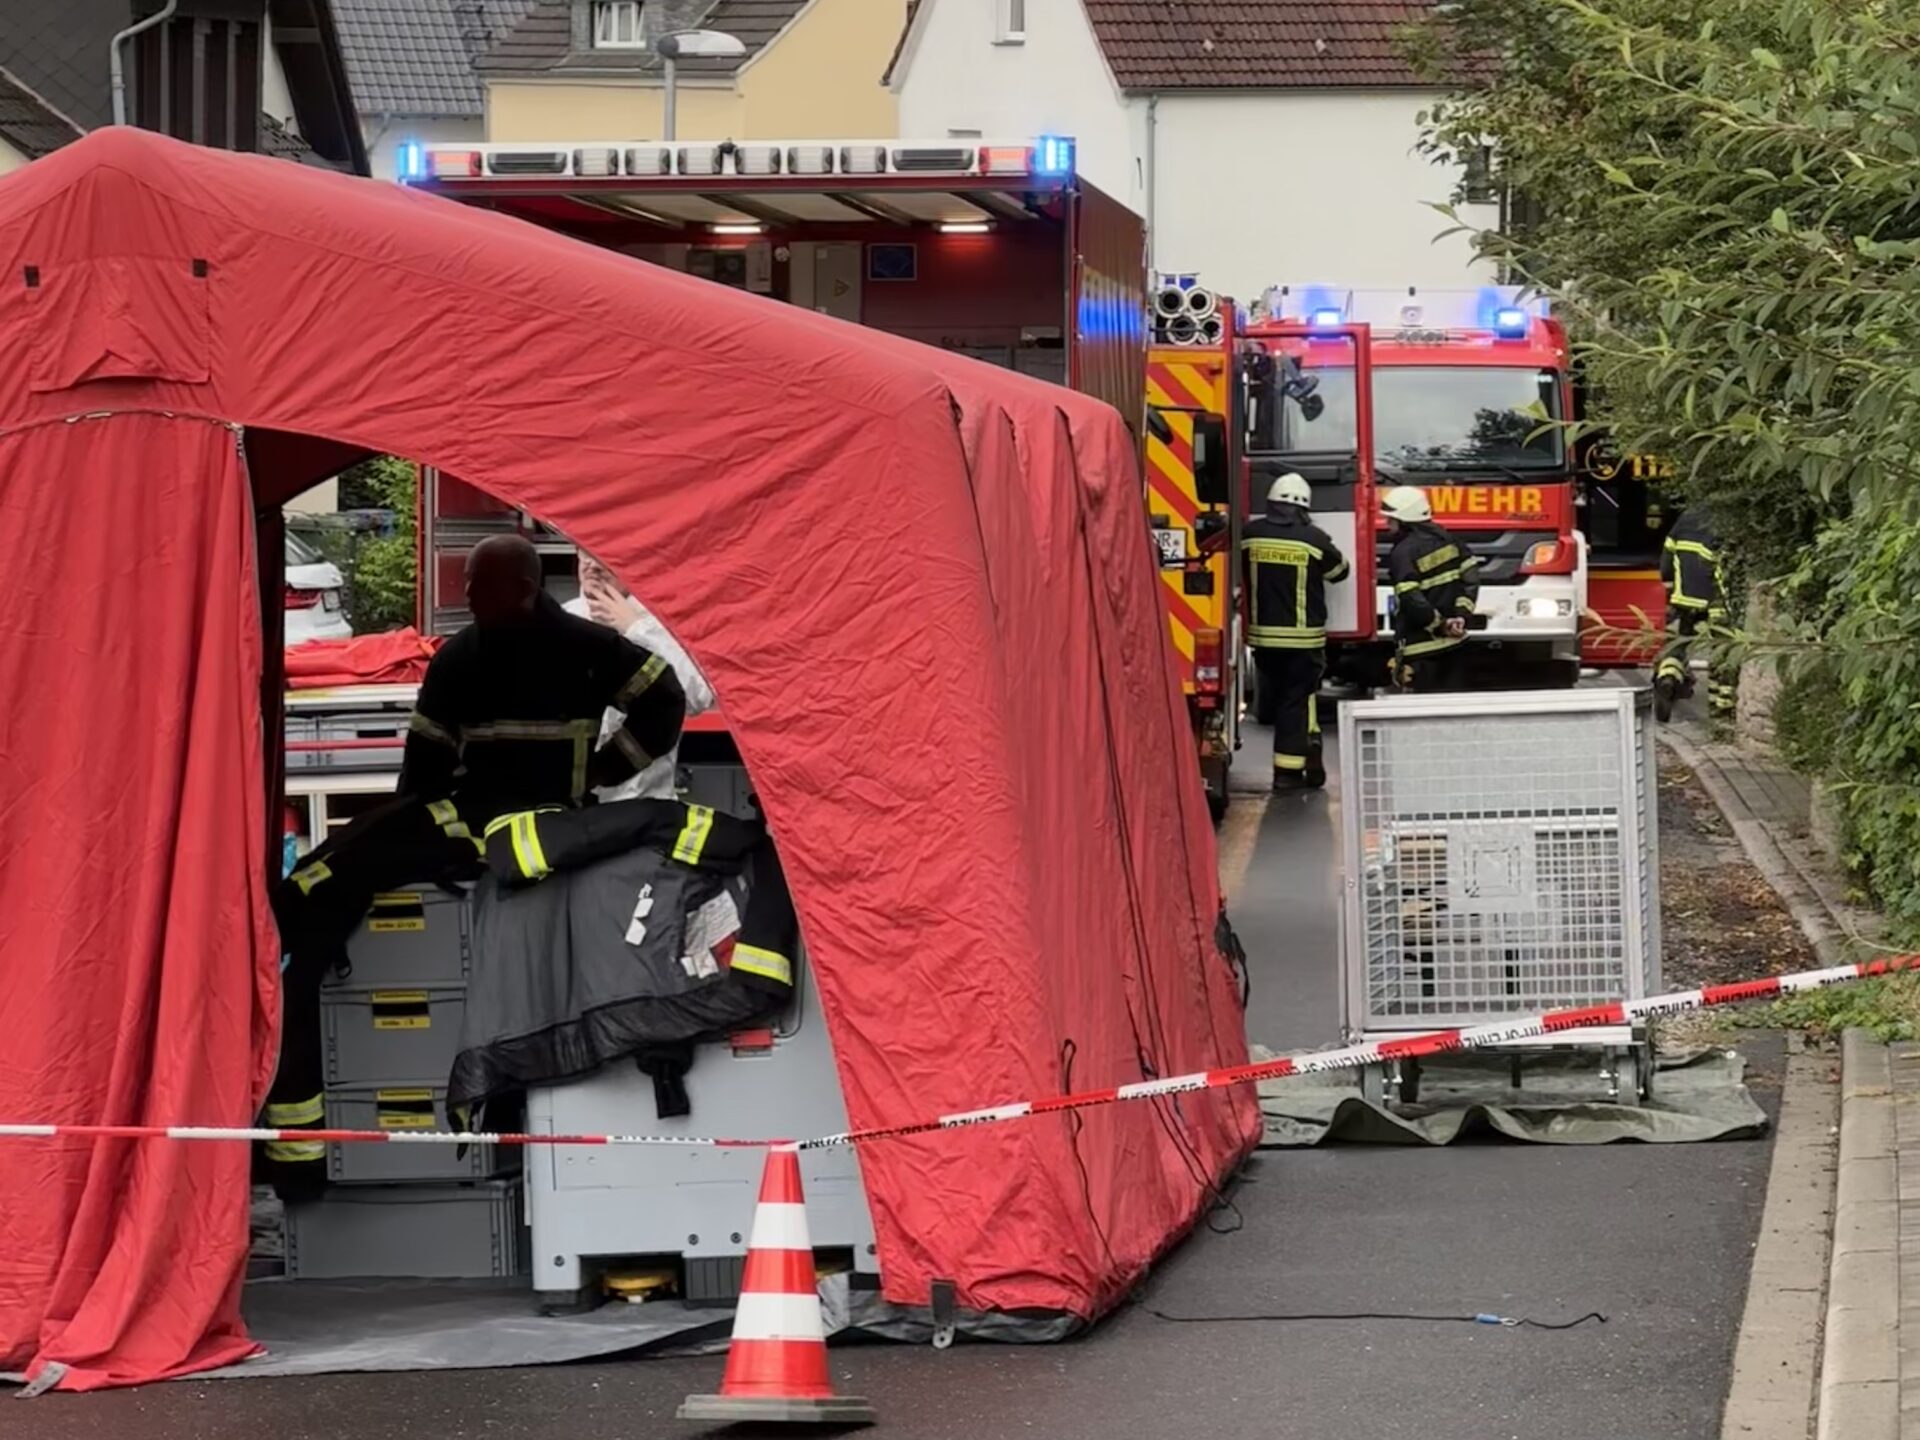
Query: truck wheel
[{"x": 1217, "y": 774}]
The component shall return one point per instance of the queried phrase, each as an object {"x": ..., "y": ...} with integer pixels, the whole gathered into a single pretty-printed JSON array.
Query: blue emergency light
[
  {"x": 410, "y": 161},
  {"x": 1510, "y": 323},
  {"x": 1325, "y": 318},
  {"x": 1053, "y": 155}
]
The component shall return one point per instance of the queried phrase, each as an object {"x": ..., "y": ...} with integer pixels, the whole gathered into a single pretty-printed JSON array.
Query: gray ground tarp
[
  {"x": 331, "y": 1327},
  {"x": 1561, "y": 1101}
]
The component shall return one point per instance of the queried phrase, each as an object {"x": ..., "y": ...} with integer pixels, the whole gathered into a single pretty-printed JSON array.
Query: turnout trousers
[
  {"x": 1673, "y": 673},
  {"x": 1433, "y": 673},
  {"x": 1292, "y": 677}
]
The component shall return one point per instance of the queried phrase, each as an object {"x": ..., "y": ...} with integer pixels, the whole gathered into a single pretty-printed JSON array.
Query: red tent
[{"x": 921, "y": 587}]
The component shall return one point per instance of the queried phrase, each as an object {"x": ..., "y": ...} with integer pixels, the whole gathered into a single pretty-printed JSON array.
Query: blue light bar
[
  {"x": 1510, "y": 323},
  {"x": 410, "y": 161},
  {"x": 1326, "y": 318},
  {"x": 1053, "y": 155}
]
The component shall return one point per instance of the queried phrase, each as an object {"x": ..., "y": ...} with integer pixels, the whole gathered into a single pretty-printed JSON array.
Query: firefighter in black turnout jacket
[
  {"x": 1434, "y": 586},
  {"x": 1289, "y": 562},
  {"x": 507, "y": 720},
  {"x": 1690, "y": 570}
]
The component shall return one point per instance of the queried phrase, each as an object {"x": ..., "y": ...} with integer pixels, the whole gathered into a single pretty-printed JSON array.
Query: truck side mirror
[{"x": 1212, "y": 483}]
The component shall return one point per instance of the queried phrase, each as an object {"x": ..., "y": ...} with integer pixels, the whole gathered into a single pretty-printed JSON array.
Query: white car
[{"x": 313, "y": 596}]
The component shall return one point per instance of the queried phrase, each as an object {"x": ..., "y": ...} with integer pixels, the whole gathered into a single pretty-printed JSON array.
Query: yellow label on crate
[
  {"x": 402, "y": 1097},
  {"x": 412, "y": 916},
  {"x": 405, "y": 1120},
  {"x": 401, "y": 999}
]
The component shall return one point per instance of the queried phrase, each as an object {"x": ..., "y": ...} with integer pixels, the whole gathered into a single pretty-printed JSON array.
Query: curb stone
[{"x": 1860, "y": 1365}]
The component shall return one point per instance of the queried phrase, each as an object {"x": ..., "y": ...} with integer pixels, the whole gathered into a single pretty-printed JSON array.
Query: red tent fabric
[
  {"x": 397, "y": 657},
  {"x": 922, "y": 588}
]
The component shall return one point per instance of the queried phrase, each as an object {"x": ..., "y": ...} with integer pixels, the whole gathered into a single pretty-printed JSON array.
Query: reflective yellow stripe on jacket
[
  {"x": 1298, "y": 556},
  {"x": 768, "y": 964},
  {"x": 693, "y": 835}
]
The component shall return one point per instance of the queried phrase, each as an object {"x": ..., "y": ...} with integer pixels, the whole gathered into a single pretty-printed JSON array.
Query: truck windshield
[{"x": 1434, "y": 417}]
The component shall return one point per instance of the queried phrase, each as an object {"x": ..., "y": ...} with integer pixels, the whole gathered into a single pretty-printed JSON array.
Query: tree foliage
[
  {"x": 1723, "y": 198},
  {"x": 382, "y": 569}
]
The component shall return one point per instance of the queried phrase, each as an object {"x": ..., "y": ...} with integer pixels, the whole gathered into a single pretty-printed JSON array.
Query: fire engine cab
[{"x": 1466, "y": 389}]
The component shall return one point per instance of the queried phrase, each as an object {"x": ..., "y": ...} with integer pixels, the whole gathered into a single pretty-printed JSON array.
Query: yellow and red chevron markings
[{"x": 1180, "y": 379}]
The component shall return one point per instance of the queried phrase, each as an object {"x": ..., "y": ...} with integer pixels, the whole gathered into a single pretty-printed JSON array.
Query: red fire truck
[
  {"x": 994, "y": 250},
  {"x": 1195, "y": 506},
  {"x": 1462, "y": 386}
]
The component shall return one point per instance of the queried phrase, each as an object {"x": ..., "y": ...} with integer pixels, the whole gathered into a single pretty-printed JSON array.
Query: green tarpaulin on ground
[{"x": 1561, "y": 1100}]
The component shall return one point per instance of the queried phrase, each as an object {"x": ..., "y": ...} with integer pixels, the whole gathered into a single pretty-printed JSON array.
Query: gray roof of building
[
  {"x": 542, "y": 43},
  {"x": 28, "y": 123},
  {"x": 416, "y": 57},
  {"x": 58, "y": 49}
]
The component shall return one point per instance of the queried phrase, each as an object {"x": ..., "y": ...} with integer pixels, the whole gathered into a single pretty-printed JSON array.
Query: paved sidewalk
[{"x": 1870, "y": 1366}]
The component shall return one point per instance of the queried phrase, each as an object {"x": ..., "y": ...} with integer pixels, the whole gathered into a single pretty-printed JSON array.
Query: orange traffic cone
[{"x": 777, "y": 1363}]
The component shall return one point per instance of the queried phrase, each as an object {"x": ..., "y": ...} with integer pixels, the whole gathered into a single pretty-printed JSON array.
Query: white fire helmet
[
  {"x": 1407, "y": 504},
  {"x": 1290, "y": 489}
]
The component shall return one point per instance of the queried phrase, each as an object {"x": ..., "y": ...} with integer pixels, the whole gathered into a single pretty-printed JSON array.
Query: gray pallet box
[
  {"x": 412, "y": 937},
  {"x": 590, "y": 1203},
  {"x": 424, "y": 1232},
  {"x": 400, "y": 1036},
  {"x": 399, "y": 1109}
]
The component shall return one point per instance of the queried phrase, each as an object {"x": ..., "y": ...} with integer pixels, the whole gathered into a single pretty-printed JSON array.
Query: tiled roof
[
  {"x": 59, "y": 49},
  {"x": 28, "y": 124},
  {"x": 416, "y": 57},
  {"x": 543, "y": 41},
  {"x": 1255, "y": 44}
]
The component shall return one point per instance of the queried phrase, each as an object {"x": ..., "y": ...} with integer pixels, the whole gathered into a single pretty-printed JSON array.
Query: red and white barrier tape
[{"x": 1373, "y": 1052}]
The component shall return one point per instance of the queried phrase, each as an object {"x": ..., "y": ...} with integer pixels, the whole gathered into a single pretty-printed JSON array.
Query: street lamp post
[{"x": 690, "y": 44}]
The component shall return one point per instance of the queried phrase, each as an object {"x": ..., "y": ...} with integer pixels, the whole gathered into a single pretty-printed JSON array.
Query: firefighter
[
  {"x": 1696, "y": 607},
  {"x": 1288, "y": 564},
  {"x": 605, "y": 599},
  {"x": 506, "y": 720},
  {"x": 1435, "y": 582}
]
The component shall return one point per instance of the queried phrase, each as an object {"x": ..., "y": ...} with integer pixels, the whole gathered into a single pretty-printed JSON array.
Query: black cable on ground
[{"x": 1506, "y": 1321}]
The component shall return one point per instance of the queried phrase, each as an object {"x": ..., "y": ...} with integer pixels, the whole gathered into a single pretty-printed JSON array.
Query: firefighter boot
[{"x": 1663, "y": 695}]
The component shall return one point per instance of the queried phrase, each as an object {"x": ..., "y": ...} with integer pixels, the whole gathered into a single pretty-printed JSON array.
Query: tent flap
[
  {"x": 921, "y": 586},
  {"x": 137, "y": 958}
]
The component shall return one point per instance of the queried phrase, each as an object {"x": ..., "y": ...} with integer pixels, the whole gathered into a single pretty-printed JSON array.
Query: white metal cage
[{"x": 1500, "y": 856}]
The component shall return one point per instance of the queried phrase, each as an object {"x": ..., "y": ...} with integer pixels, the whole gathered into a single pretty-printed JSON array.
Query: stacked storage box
[{"x": 391, "y": 1029}]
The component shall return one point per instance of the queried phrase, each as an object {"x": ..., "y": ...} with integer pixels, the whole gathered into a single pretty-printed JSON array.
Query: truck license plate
[{"x": 1173, "y": 545}]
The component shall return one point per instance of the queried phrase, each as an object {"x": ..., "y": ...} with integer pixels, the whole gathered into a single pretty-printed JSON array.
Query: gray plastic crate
[
  {"x": 398, "y": 1036},
  {"x": 719, "y": 787},
  {"x": 410, "y": 938},
  {"x": 398, "y": 1109},
  {"x": 427, "y": 1232}
]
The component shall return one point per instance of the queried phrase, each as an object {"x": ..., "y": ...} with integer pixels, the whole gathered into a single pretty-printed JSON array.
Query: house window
[
  {"x": 1477, "y": 185},
  {"x": 616, "y": 25},
  {"x": 1010, "y": 22}
]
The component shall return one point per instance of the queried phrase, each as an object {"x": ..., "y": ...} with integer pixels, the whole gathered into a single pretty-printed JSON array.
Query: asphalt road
[{"x": 1656, "y": 1237}]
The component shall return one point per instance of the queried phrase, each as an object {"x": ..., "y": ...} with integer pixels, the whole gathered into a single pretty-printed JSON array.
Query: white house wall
[
  {"x": 1313, "y": 187},
  {"x": 1055, "y": 83}
]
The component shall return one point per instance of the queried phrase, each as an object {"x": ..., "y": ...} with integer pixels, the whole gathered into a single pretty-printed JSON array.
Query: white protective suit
[{"x": 656, "y": 782}]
